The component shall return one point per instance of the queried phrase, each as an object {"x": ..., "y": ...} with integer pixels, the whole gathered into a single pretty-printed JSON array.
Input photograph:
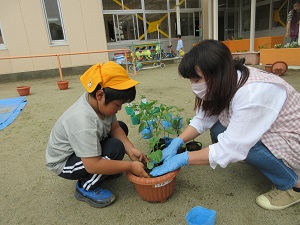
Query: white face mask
[{"x": 199, "y": 89}]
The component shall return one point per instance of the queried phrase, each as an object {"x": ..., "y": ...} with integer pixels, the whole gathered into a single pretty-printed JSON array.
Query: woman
[
  {"x": 293, "y": 18},
  {"x": 253, "y": 116}
]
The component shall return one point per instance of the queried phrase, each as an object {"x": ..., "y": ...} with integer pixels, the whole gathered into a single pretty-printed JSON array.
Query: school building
[{"x": 45, "y": 28}]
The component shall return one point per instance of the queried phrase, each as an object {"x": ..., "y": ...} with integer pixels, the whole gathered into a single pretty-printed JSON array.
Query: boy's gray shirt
[{"x": 79, "y": 130}]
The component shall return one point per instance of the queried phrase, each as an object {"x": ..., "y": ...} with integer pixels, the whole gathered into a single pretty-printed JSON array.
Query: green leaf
[
  {"x": 155, "y": 156},
  {"x": 153, "y": 142},
  {"x": 142, "y": 126},
  {"x": 170, "y": 130},
  {"x": 150, "y": 165}
]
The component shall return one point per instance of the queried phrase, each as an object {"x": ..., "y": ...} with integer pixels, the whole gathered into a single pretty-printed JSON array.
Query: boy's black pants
[{"x": 112, "y": 148}]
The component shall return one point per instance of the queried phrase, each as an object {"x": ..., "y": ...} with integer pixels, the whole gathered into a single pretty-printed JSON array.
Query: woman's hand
[
  {"x": 171, "y": 150},
  {"x": 171, "y": 164}
]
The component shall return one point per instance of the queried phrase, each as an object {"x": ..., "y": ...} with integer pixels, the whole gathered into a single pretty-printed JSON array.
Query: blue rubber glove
[
  {"x": 171, "y": 164},
  {"x": 171, "y": 150}
]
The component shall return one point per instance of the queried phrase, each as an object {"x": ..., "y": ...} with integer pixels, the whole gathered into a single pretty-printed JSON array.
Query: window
[
  {"x": 193, "y": 4},
  {"x": 262, "y": 21},
  {"x": 1, "y": 37},
  {"x": 280, "y": 11},
  {"x": 124, "y": 27},
  {"x": 54, "y": 21},
  {"x": 117, "y": 4},
  {"x": 111, "y": 5},
  {"x": 155, "y": 5},
  {"x": 130, "y": 20},
  {"x": 189, "y": 24},
  {"x": 132, "y": 4},
  {"x": 185, "y": 4},
  {"x": 2, "y": 44}
]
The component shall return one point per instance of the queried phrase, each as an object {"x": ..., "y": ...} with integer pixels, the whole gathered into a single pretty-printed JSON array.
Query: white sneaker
[{"x": 277, "y": 199}]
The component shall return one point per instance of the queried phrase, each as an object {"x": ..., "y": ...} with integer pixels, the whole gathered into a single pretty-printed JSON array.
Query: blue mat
[{"x": 10, "y": 108}]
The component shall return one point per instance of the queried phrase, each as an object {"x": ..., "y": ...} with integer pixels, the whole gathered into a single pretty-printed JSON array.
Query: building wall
[
  {"x": 25, "y": 33},
  {"x": 24, "y": 29}
]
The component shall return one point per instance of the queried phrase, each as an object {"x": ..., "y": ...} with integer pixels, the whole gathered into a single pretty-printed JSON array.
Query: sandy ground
[{"x": 33, "y": 195}]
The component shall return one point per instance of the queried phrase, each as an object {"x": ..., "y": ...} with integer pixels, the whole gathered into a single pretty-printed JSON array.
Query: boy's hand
[
  {"x": 137, "y": 168},
  {"x": 135, "y": 154}
]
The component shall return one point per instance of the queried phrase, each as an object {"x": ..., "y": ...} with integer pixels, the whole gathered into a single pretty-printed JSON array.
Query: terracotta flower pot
[
  {"x": 279, "y": 68},
  {"x": 156, "y": 189},
  {"x": 268, "y": 68},
  {"x": 251, "y": 58},
  {"x": 63, "y": 84},
  {"x": 23, "y": 90}
]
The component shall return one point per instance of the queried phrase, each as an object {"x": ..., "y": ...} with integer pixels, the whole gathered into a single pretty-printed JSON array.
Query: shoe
[
  {"x": 277, "y": 199},
  {"x": 98, "y": 197}
]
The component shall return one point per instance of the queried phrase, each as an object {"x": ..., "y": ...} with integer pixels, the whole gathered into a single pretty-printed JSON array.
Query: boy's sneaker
[
  {"x": 277, "y": 199},
  {"x": 98, "y": 198}
]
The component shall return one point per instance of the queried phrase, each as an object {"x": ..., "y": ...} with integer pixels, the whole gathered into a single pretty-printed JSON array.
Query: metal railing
[{"x": 58, "y": 55}]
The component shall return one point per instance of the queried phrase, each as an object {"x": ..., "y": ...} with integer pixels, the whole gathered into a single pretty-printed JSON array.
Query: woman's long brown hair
[{"x": 219, "y": 69}]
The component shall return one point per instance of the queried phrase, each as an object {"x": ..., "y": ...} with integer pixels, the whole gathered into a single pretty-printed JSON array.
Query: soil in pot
[
  {"x": 181, "y": 149},
  {"x": 23, "y": 90},
  {"x": 168, "y": 141},
  {"x": 193, "y": 146},
  {"x": 190, "y": 146},
  {"x": 145, "y": 165},
  {"x": 161, "y": 145}
]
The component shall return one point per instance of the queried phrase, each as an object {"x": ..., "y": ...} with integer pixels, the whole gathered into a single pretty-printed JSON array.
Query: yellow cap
[{"x": 109, "y": 74}]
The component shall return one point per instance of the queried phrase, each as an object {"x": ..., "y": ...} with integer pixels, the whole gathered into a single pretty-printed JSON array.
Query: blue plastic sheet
[{"x": 10, "y": 108}]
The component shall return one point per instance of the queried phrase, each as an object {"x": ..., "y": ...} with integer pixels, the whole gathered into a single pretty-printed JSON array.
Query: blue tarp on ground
[{"x": 10, "y": 108}]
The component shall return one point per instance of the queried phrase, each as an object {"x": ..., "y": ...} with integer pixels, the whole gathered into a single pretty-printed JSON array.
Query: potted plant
[
  {"x": 289, "y": 53},
  {"x": 132, "y": 109},
  {"x": 129, "y": 108},
  {"x": 143, "y": 101},
  {"x": 191, "y": 145},
  {"x": 251, "y": 58},
  {"x": 240, "y": 48},
  {"x": 161, "y": 121}
]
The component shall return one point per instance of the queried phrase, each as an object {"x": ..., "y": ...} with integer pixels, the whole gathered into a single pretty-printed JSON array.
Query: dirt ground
[{"x": 33, "y": 195}]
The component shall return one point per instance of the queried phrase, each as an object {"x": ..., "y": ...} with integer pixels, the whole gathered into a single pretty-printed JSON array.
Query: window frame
[
  {"x": 143, "y": 12},
  {"x": 2, "y": 45},
  {"x": 54, "y": 42}
]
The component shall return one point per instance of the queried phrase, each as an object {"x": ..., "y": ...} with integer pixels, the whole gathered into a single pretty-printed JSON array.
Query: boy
[
  {"x": 179, "y": 45},
  {"x": 87, "y": 143}
]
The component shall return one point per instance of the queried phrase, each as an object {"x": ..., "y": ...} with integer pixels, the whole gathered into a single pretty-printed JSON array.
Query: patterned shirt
[
  {"x": 283, "y": 137},
  {"x": 294, "y": 27}
]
